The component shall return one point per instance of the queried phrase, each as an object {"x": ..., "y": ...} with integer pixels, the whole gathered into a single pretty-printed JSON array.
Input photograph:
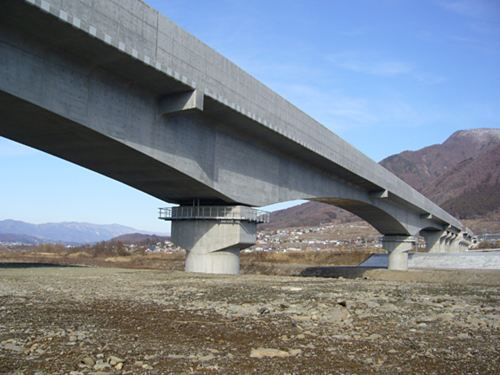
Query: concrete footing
[
  {"x": 398, "y": 247},
  {"x": 221, "y": 262},
  {"x": 213, "y": 246},
  {"x": 214, "y": 236}
]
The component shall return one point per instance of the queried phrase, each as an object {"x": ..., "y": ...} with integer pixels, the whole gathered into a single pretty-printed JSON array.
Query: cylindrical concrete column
[
  {"x": 398, "y": 261},
  {"x": 223, "y": 262},
  {"x": 398, "y": 247}
]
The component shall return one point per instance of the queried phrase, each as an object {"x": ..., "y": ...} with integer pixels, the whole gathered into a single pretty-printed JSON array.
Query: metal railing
[{"x": 240, "y": 213}]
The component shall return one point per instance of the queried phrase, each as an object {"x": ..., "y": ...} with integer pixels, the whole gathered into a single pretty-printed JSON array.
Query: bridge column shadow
[{"x": 346, "y": 272}]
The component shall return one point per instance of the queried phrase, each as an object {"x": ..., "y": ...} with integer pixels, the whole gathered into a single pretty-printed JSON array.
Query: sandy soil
[{"x": 76, "y": 320}]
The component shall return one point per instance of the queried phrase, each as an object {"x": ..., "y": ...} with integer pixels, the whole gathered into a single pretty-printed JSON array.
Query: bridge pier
[
  {"x": 453, "y": 243},
  {"x": 445, "y": 241},
  {"x": 464, "y": 245},
  {"x": 213, "y": 236},
  {"x": 435, "y": 241},
  {"x": 213, "y": 246},
  {"x": 398, "y": 247}
]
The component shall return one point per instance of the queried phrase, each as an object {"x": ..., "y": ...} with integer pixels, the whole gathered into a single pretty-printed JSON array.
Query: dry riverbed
[{"x": 82, "y": 320}]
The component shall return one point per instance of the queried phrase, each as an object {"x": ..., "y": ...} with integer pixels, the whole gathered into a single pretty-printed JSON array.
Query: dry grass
[
  {"x": 160, "y": 261},
  {"x": 311, "y": 257},
  {"x": 253, "y": 263}
]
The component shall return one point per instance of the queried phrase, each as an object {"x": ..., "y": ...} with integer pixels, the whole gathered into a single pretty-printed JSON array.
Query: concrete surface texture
[
  {"x": 471, "y": 260},
  {"x": 213, "y": 246},
  {"x": 118, "y": 88},
  {"x": 398, "y": 247}
]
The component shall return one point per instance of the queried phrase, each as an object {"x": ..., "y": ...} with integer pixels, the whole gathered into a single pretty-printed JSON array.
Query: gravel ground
[{"x": 75, "y": 320}]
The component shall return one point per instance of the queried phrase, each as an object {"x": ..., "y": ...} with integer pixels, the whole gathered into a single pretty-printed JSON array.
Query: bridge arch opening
[{"x": 382, "y": 221}]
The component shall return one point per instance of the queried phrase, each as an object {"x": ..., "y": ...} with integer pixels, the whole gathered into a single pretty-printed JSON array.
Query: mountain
[
  {"x": 67, "y": 232},
  {"x": 420, "y": 168},
  {"x": 307, "y": 214},
  {"x": 471, "y": 188},
  {"x": 461, "y": 175},
  {"x": 9, "y": 238}
]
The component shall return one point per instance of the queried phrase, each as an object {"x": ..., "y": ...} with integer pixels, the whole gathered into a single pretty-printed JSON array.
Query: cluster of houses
[
  {"x": 322, "y": 237},
  {"x": 328, "y": 238},
  {"x": 304, "y": 239},
  {"x": 160, "y": 247}
]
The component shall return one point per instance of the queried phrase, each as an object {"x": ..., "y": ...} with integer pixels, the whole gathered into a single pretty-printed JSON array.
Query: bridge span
[{"x": 118, "y": 88}]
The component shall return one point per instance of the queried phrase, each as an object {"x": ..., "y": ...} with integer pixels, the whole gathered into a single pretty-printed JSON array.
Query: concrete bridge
[{"x": 117, "y": 88}]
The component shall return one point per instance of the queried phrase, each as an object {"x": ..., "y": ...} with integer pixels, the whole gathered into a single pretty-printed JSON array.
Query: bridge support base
[
  {"x": 435, "y": 241},
  {"x": 445, "y": 242},
  {"x": 398, "y": 247},
  {"x": 213, "y": 246},
  {"x": 214, "y": 236}
]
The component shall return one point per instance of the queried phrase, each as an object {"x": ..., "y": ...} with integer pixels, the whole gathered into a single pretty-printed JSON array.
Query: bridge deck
[{"x": 135, "y": 42}]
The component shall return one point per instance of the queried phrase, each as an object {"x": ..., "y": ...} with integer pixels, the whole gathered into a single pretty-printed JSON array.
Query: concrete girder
[{"x": 387, "y": 217}]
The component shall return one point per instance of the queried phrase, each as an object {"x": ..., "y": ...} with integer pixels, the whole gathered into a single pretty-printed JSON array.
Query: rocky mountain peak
[{"x": 477, "y": 140}]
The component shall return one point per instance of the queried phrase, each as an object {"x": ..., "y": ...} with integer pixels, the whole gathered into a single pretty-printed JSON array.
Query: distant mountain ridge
[
  {"x": 420, "y": 168},
  {"x": 66, "y": 232},
  {"x": 471, "y": 188},
  {"x": 10, "y": 238},
  {"x": 462, "y": 175},
  {"x": 307, "y": 214}
]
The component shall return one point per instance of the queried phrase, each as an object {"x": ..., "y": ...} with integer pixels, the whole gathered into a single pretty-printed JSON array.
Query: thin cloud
[
  {"x": 429, "y": 79},
  {"x": 384, "y": 67},
  {"x": 353, "y": 32},
  {"x": 368, "y": 64},
  {"x": 341, "y": 112},
  {"x": 480, "y": 9}
]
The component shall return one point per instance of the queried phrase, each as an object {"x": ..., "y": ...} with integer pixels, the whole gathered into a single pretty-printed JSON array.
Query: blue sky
[{"x": 385, "y": 75}]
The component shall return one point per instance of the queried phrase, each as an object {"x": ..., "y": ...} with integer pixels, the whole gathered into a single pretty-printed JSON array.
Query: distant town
[
  {"x": 327, "y": 237},
  {"x": 323, "y": 237}
]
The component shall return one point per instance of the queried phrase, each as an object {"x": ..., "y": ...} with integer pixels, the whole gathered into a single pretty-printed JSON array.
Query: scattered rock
[
  {"x": 14, "y": 348},
  {"x": 207, "y": 357},
  {"x": 113, "y": 361},
  {"x": 263, "y": 352},
  {"x": 185, "y": 323},
  {"x": 88, "y": 361},
  {"x": 102, "y": 367}
]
